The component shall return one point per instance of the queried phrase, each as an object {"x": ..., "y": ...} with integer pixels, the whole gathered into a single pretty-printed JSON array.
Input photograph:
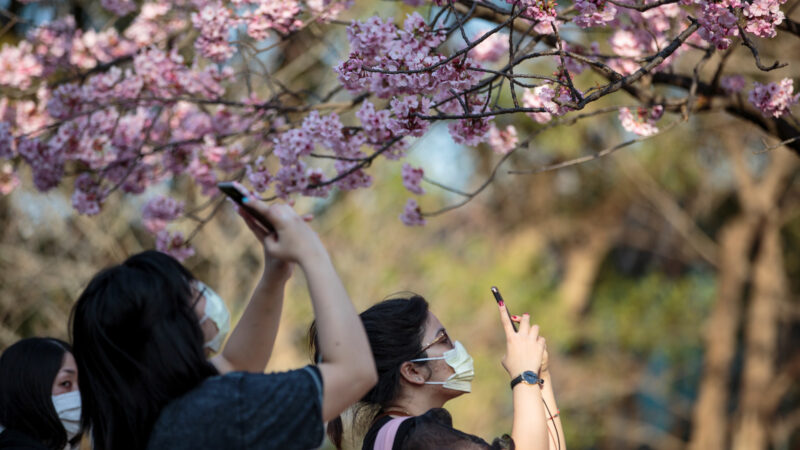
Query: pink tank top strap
[{"x": 387, "y": 433}]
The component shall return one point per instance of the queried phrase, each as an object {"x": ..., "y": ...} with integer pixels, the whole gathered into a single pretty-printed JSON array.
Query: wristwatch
[{"x": 527, "y": 377}]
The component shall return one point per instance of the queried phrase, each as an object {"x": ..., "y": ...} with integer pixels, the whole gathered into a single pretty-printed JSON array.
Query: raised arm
[
  {"x": 524, "y": 350},
  {"x": 251, "y": 342},
  {"x": 348, "y": 369}
]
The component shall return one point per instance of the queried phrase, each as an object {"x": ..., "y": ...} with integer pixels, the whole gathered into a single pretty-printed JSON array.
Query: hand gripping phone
[
  {"x": 499, "y": 298},
  {"x": 238, "y": 194}
]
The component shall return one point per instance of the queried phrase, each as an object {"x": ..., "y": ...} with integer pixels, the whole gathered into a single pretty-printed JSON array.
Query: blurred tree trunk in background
[{"x": 748, "y": 240}]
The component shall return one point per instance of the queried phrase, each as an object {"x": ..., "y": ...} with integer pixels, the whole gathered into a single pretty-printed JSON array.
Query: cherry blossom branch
[
  {"x": 769, "y": 148},
  {"x": 643, "y": 7},
  {"x": 749, "y": 44},
  {"x": 598, "y": 155},
  {"x": 654, "y": 62}
]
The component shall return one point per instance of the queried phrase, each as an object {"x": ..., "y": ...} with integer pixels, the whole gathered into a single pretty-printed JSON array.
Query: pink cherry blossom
[
  {"x": 159, "y": 211},
  {"x": 355, "y": 178},
  {"x": 119, "y": 7},
  {"x": 174, "y": 244},
  {"x": 259, "y": 175},
  {"x": 412, "y": 215},
  {"x": 8, "y": 179},
  {"x": 315, "y": 184},
  {"x": 492, "y": 48},
  {"x": 327, "y": 10},
  {"x": 717, "y": 25},
  {"x": 643, "y": 123},
  {"x": 293, "y": 144},
  {"x": 406, "y": 121},
  {"x": 278, "y": 15},
  {"x": 88, "y": 195},
  {"x": 542, "y": 97},
  {"x": 502, "y": 141},
  {"x": 290, "y": 178},
  {"x": 47, "y": 163},
  {"x": 733, "y": 84},
  {"x": 538, "y": 10},
  {"x": 375, "y": 123},
  {"x": 763, "y": 16},
  {"x": 18, "y": 65},
  {"x": 594, "y": 13},
  {"x": 773, "y": 99},
  {"x": 412, "y": 177},
  {"x": 214, "y": 22}
]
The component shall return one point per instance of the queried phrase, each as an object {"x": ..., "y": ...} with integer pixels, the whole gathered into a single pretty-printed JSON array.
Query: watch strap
[{"x": 519, "y": 379}]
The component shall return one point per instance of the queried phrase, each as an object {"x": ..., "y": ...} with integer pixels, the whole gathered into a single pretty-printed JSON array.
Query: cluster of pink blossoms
[
  {"x": 733, "y": 84},
  {"x": 643, "y": 122},
  {"x": 159, "y": 211},
  {"x": 174, "y": 244},
  {"x": 717, "y": 25},
  {"x": 594, "y": 13},
  {"x": 502, "y": 141},
  {"x": 127, "y": 128},
  {"x": 763, "y": 16},
  {"x": 542, "y": 97},
  {"x": 491, "y": 49},
  {"x": 119, "y": 7},
  {"x": 412, "y": 215},
  {"x": 773, "y": 99},
  {"x": 8, "y": 179},
  {"x": 214, "y": 23},
  {"x": 412, "y": 177},
  {"x": 541, "y": 11}
]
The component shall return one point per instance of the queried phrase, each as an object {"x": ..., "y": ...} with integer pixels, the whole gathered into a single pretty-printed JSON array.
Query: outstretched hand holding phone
[{"x": 524, "y": 352}]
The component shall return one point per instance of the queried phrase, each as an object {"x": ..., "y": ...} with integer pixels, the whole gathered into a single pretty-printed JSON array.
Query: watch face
[{"x": 529, "y": 377}]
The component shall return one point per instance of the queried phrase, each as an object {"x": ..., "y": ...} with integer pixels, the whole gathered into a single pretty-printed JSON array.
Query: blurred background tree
[{"x": 665, "y": 277}]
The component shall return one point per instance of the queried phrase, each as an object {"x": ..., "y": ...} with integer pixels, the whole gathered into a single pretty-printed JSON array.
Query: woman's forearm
[
  {"x": 251, "y": 343},
  {"x": 347, "y": 366},
  {"x": 529, "y": 429},
  {"x": 554, "y": 427}
]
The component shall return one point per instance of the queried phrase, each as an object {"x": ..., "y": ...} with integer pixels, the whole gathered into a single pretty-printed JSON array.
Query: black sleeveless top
[{"x": 433, "y": 431}]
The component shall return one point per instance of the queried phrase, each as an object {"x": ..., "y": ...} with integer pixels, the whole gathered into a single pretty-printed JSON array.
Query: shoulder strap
[{"x": 387, "y": 433}]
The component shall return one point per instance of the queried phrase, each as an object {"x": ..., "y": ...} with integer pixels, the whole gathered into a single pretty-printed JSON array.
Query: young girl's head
[{"x": 39, "y": 391}]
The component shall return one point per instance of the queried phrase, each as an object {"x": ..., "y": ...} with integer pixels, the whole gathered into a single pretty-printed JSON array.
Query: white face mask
[
  {"x": 218, "y": 313},
  {"x": 68, "y": 408},
  {"x": 461, "y": 362}
]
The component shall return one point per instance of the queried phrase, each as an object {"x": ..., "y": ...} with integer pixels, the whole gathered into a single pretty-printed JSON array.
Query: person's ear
[{"x": 415, "y": 374}]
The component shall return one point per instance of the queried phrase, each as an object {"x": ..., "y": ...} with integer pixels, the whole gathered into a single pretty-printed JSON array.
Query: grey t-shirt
[{"x": 243, "y": 410}]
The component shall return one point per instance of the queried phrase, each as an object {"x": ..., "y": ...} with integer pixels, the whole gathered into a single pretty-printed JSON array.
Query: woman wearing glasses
[{"x": 420, "y": 369}]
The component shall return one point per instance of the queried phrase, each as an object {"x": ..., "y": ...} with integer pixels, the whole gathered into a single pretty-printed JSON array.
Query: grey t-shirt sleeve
[
  {"x": 282, "y": 407},
  {"x": 243, "y": 410}
]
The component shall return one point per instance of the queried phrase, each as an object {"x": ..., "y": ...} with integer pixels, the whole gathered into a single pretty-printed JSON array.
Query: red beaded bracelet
[{"x": 555, "y": 415}]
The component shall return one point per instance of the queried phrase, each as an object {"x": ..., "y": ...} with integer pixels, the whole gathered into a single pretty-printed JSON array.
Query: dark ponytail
[{"x": 394, "y": 329}]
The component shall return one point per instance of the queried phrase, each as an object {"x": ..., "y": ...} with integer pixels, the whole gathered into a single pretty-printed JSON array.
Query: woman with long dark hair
[
  {"x": 420, "y": 369},
  {"x": 146, "y": 383},
  {"x": 40, "y": 407}
]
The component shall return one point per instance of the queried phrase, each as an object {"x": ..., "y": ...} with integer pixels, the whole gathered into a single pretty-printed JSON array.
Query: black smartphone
[
  {"x": 499, "y": 298},
  {"x": 232, "y": 190}
]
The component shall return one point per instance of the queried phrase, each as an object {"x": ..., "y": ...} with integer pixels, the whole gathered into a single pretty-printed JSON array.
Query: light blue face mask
[
  {"x": 461, "y": 362},
  {"x": 68, "y": 408},
  {"x": 218, "y": 313}
]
